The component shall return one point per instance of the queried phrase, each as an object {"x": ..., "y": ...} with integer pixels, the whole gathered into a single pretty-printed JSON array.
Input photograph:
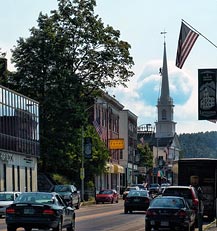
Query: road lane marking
[{"x": 99, "y": 215}]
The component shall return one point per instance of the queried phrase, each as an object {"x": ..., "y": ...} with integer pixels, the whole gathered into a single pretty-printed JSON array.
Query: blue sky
[{"x": 141, "y": 23}]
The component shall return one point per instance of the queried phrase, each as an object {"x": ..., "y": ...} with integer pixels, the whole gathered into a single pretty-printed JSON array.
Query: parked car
[
  {"x": 107, "y": 195},
  {"x": 70, "y": 194},
  {"x": 136, "y": 200},
  {"x": 169, "y": 212},
  {"x": 154, "y": 188},
  {"x": 126, "y": 191},
  {"x": 40, "y": 210},
  {"x": 7, "y": 198}
]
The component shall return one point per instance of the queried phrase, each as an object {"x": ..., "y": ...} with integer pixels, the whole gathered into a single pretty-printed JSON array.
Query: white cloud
[{"x": 144, "y": 90}]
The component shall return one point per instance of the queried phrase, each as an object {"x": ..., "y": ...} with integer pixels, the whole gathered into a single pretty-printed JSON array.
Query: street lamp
[{"x": 82, "y": 172}]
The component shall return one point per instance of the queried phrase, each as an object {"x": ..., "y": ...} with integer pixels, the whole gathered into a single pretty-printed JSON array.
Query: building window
[
  {"x": 30, "y": 176},
  {"x": 18, "y": 178},
  {"x": 164, "y": 114},
  {"x": 26, "y": 180},
  {"x": 4, "y": 176},
  {"x": 121, "y": 154},
  {"x": 13, "y": 178},
  {"x": 19, "y": 123}
]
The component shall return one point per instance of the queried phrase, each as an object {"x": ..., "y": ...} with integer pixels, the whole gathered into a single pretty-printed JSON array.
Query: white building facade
[{"x": 129, "y": 157}]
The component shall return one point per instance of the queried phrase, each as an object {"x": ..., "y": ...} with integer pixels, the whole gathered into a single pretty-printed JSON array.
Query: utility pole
[{"x": 82, "y": 172}]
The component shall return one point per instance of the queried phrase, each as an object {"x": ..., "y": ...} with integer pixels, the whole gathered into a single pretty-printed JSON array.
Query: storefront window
[{"x": 19, "y": 123}]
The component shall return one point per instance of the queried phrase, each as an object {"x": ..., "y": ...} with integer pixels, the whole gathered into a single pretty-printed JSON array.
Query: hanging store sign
[
  {"x": 207, "y": 80},
  {"x": 116, "y": 144}
]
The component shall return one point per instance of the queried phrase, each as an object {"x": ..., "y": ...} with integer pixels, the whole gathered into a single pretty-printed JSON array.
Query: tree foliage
[
  {"x": 65, "y": 59},
  {"x": 146, "y": 155},
  {"x": 199, "y": 145}
]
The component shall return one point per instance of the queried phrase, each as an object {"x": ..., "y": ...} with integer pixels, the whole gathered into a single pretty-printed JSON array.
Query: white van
[{"x": 7, "y": 198}]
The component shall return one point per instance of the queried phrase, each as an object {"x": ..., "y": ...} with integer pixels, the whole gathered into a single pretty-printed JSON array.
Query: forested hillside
[{"x": 203, "y": 144}]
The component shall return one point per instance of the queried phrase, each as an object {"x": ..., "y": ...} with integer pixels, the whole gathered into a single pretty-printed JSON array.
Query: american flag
[
  {"x": 97, "y": 127},
  {"x": 187, "y": 38}
]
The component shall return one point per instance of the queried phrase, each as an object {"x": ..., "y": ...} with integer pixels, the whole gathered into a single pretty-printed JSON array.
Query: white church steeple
[{"x": 165, "y": 126}]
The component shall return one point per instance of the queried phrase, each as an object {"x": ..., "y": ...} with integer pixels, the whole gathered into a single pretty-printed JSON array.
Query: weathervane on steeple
[{"x": 164, "y": 33}]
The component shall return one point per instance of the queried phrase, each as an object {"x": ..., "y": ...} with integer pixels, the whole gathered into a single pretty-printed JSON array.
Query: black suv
[{"x": 69, "y": 193}]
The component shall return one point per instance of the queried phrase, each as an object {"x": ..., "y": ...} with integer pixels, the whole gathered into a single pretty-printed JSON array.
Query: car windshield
[
  {"x": 61, "y": 188},
  {"x": 44, "y": 198},
  {"x": 131, "y": 188},
  {"x": 167, "y": 202},
  {"x": 182, "y": 192},
  {"x": 6, "y": 197},
  {"x": 154, "y": 185},
  {"x": 142, "y": 193},
  {"x": 105, "y": 192}
]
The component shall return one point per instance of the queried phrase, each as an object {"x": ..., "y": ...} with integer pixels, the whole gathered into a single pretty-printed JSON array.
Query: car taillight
[
  {"x": 10, "y": 211},
  {"x": 181, "y": 214},
  {"x": 146, "y": 200},
  {"x": 195, "y": 202},
  {"x": 49, "y": 212},
  {"x": 151, "y": 213}
]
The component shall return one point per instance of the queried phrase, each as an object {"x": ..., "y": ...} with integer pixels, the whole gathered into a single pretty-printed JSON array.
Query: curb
[
  {"x": 210, "y": 225},
  {"x": 84, "y": 203}
]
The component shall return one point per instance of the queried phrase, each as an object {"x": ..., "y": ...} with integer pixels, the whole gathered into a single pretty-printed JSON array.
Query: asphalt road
[{"x": 104, "y": 217}]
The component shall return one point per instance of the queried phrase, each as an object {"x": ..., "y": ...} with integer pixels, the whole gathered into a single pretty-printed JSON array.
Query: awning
[
  {"x": 118, "y": 168},
  {"x": 110, "y": 168}
]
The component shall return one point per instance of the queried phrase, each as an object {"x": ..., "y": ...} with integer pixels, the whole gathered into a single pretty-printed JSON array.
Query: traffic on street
[{"x": 103, "y": 217}]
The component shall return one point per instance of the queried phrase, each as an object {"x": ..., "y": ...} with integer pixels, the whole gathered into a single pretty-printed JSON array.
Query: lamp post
[{"x": 82, "y": 172}]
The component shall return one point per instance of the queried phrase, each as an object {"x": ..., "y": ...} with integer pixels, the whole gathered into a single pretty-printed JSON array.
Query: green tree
[
  {"x": 100, "y": 155},
  {"x": 65, "y": 59},
  {"x": 3, "y": 69},
  {"x": 146, "y": 155},
  {"x": 146, "y": 158}
]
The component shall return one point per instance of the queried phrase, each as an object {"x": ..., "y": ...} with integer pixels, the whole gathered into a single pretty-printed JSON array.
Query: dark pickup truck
[{"x": 69, "y": 193}]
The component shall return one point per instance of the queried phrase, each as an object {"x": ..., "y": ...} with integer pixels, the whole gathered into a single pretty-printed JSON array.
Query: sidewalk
[{"x": 211, "y": 227}]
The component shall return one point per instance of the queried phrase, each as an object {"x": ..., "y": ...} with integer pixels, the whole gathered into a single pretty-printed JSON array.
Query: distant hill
[{"x": 203, "y": 144}]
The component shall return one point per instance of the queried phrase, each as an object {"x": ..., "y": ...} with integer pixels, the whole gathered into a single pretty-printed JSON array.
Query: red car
[{"x": 107, "y": 195}]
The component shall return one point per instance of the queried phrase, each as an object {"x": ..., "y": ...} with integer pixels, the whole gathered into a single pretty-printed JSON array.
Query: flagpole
[{"x": 199, "y": 33}]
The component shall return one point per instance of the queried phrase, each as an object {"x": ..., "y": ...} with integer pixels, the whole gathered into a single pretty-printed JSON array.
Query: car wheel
[
  {"x": 117, "y": 201},
  {"x": 131, "y": 211},
  {"x": 125, "y": 211},
  {"x": 78, "y": 205},
  {"x": 70, "y": 227},
  {"x": 147, "y": 228},
  {"x": 28, "y": 229},
  {"x": 112, "y": 201},
  {"x": 11, "y": 228},
  {"x": 192, "y": 227},
  {"x": 59, "y": 227},
  {"x": 187, "y": 228}
]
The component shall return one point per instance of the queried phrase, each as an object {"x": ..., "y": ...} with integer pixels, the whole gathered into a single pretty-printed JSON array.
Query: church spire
[
  {"x": 165, "y": 92},
  {"x": 165, "y": 126}
]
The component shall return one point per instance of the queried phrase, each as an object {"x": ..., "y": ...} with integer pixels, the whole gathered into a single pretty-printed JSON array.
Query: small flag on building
[
  {"x": 187, "y": 38},
  {"x": 97, "y": 127}
]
